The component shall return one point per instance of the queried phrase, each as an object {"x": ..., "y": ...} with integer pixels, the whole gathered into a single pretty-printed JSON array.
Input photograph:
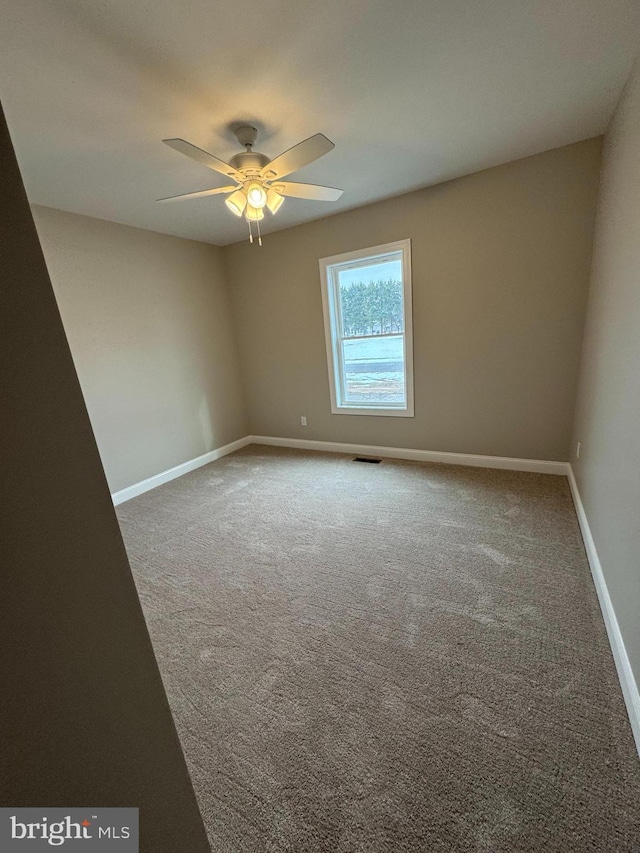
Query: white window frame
[{"x": 330, "y": 306}]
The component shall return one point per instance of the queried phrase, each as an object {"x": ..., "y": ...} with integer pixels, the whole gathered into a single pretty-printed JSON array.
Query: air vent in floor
[{"x": 367, "y": 459}]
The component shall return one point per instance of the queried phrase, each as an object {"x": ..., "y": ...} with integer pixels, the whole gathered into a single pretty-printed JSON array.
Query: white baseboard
[
  {"x": 506, "y": 462},
  {"x": 616, "y": 641},
  {"x": 539, "y": 466},
  {"x": 172, "y": 473}
]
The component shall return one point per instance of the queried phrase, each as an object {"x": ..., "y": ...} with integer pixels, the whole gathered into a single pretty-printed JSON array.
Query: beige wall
[
  {"x": 84, "y": 718},
  {"x": 148, "y": 320},
  {"x": 608, "y": 411},
  {"x": 500, "y": 273}
]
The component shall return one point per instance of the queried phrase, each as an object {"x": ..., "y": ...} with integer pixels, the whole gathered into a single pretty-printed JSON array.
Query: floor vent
[{"x": 367, "y": 459}]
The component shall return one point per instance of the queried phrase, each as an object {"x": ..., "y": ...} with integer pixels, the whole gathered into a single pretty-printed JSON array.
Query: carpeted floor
[{"x": 397, "y": 657}]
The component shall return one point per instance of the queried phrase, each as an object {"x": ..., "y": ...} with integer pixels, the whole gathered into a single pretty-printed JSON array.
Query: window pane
[
  {"x": 374, "y": 370},
  {"x": 371, "y": 298}
]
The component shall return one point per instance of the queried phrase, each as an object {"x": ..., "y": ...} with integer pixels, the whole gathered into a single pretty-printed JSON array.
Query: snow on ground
[{"x": 374, "y": 370}]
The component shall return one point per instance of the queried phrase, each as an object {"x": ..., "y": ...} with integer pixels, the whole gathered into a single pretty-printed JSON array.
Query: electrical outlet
[
  {"x": 303, "y": 420},
  {"x": 578, "y": 450}
]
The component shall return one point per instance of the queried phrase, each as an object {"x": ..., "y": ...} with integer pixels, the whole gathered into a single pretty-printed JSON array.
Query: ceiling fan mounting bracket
[{"x": 246, "y": 135}]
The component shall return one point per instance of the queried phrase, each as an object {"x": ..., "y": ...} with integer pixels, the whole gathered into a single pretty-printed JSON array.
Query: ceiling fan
[{"x": 257, "y": 180}]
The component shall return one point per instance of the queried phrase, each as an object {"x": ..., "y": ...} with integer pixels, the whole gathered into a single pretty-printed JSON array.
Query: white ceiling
[{"x": 412, "y": 92}]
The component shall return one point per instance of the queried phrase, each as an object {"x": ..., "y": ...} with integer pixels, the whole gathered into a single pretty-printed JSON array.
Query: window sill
[{"x": 372, "y": 411}]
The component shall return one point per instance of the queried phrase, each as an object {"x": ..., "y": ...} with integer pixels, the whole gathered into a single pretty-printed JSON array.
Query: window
[{"x": 366, "y": 297}]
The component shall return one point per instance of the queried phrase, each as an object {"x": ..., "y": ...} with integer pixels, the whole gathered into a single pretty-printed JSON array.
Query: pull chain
[{"x": 251, "y": 232}]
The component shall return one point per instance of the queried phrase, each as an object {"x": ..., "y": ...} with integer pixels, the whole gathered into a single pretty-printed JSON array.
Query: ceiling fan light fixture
[
  {"x": 274, "y": 201},
  {"x": 254, "y": 214},
  {"x": 256, "y": 195},
  {"x": 236, "y": 202}
]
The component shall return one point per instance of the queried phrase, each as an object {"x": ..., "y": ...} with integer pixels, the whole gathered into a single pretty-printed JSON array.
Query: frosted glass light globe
[{"x": 256, "y": 196}]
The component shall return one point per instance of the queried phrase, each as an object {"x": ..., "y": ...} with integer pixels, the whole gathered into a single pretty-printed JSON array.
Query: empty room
[{"x": 320, "y": 332}]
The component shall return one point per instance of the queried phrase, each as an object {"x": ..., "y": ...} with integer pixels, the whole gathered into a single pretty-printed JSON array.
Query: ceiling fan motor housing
[{"x": 249, "y": 160}]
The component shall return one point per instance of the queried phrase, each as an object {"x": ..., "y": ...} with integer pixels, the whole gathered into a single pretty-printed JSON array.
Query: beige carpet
[{"x": 394, "y": 657}]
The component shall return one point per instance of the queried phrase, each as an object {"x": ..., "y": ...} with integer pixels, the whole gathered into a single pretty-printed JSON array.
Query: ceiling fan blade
[
  {"x": 200, "y": 156},
  {"x": 198, "y": 194},
  {"x": 311, "y": 191},
  {"x": 300, "y": 155}
]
